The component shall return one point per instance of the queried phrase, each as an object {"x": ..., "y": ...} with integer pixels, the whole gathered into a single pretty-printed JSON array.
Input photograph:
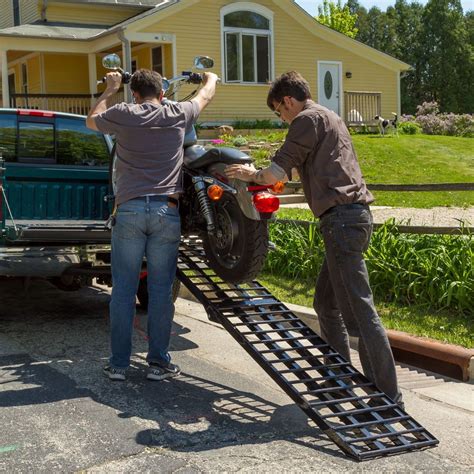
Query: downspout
[
  {"x": 127, "y": 62},
  {"x": 4, "y": 73},
  {"x": 44, "y": 7}
]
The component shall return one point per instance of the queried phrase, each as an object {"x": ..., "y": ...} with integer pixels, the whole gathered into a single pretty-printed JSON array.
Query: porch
[{"x": 360, "y": 108}]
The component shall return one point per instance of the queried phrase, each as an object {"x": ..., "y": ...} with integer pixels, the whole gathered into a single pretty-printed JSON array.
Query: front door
[{"x": 329, "y": 78}]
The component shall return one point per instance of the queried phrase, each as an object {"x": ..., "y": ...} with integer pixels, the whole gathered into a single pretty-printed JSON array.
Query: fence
[{"x": 361, "y": 107}]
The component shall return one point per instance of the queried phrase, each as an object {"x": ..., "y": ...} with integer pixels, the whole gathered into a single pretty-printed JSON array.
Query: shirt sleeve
[
  {"x": 299, "y": 142},
  {"x": 191, "y": 112},
  {"x": 110, "y": 120}
]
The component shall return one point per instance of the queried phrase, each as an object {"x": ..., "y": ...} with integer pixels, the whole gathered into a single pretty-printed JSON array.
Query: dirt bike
[{"x": 229, "y": 215}]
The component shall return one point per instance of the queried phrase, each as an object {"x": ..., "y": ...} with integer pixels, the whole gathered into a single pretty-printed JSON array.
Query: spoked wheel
[
  {"x": 142, "y": 292},
  {"x": 237, "y": 249}
]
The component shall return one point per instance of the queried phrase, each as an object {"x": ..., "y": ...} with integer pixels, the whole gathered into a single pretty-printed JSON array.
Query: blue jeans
[
  {"x": 144, "y": 227},
  {"x": 343, "y": 297}
]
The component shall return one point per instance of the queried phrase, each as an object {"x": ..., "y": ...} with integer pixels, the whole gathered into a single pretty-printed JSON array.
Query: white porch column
[
  {"x": 4, "y": 71},
  {"x": 92, "y": 76},
  {"x": 127, "y": 64}
]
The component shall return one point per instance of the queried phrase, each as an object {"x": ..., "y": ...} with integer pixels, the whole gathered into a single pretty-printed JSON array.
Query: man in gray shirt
[
  {"x": 148, "y": 179},
  {"x": 319, "y": 146}
]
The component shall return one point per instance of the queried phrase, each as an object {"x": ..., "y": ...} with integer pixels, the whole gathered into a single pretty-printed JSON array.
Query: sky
[{"x": 311, "y": 6}]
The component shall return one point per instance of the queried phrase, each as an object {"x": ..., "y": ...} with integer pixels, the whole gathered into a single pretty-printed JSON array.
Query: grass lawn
[
  {"x": 417, "y": 159},
  {"x": 407, "y": 159},
  {"x": 444, "y": 326}
]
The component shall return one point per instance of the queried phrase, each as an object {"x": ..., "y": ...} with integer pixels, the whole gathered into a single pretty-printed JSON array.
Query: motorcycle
[{"x": 230, "y": 216}]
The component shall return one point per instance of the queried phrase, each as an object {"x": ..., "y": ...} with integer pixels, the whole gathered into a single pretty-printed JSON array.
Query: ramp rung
[
  {"x": 286, "y": 339},
  {"x": 269, "y": 331},
  {"x": 317, "y": 346},
  {"x": 323, "y": 379},
  {"x": 360, "y": 411},
  {"x": 306, "y": 369},
  {"x": 384, "y": 435},
  {"x": 392, "y": 420},
  {"x": 249, "y": 310},
  {"x": 345, "y": 400}
]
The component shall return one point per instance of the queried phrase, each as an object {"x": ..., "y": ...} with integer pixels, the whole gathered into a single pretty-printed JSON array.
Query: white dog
[{"x": 385, "y": 124}]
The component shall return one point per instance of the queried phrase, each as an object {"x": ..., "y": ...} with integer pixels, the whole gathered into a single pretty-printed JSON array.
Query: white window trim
[
  {"x": 341, "y": 90},
  {"x": 261, "y": 10}
]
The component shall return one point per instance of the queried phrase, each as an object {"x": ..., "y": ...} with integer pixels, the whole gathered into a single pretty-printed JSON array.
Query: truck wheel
[
  {"x": 142, "y": 292},
  {"x": 237, "y": 250}
]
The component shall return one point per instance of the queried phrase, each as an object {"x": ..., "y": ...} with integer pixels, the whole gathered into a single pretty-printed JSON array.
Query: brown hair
[
  {"x": 291, "y": 84},
  {"x": 146, "y": 83}
]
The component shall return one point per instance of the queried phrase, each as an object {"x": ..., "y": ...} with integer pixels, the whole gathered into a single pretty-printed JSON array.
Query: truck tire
[
  {"x": 142, "y": 292},
  {"x": 237, "y": 250}
]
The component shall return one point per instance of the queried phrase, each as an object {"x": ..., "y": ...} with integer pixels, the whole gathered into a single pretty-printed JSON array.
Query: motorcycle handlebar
[{"x": 126, "y": 76}]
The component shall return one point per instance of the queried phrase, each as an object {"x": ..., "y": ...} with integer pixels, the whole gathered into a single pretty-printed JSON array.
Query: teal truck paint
[{"x": 54, "y": 178}]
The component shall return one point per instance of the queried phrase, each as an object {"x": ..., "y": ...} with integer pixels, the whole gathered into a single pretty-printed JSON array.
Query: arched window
[{"x": 247, "y": 36}]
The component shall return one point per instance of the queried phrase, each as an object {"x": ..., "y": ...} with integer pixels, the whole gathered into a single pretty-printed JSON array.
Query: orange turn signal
[
  {"x": 215, "y": 192},
  {"x": 278, "y": 187}
]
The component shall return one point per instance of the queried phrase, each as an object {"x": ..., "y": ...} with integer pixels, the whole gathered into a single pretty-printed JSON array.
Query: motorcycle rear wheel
[{"x": 237, "y": 250}]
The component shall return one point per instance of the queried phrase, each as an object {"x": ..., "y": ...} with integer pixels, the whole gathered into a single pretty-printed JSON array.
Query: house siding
[
  {"x": 29, "y": 11},
  {"x": 89, "y": 14},
  {"x": 6, "y": 14},
  {"x": 66, "y": 74},
  {"x": 247, "y": 102}
]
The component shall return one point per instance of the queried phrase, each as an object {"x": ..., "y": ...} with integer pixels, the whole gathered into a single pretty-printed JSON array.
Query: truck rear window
[
  {"x": 78, "y": 145},
  {"x": 8, "y": 137},
  {"x": 35, "y": 142}
]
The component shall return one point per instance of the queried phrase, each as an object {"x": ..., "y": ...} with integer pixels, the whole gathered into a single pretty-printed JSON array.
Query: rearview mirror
[
  {"x": 111, "y": 61},
  {"x": 203, "y": 62}
]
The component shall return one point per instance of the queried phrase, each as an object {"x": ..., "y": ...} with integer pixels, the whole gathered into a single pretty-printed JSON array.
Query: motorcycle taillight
[{"x": 266, "y": 203}]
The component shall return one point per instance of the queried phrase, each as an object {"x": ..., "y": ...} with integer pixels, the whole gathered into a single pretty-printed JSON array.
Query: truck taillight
[
  {"x": 35, "y": 113},
  {"x": 266, "y": 203}
]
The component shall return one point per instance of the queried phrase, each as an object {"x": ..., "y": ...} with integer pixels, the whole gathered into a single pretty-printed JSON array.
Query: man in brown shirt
[{"x": 319, "y": 146}]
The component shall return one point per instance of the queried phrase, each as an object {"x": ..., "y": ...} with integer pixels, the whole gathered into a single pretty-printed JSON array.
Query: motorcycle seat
[{"x": 198, "y": 157}]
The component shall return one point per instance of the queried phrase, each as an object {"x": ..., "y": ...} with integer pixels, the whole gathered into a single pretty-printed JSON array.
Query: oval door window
[{"x": 328, "y": 85}]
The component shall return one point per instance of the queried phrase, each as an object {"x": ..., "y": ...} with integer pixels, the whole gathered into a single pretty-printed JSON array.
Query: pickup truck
[{"x": 54, "y": 177}]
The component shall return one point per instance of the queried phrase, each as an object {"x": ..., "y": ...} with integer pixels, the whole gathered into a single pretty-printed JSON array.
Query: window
[
  {"x": 134, "y": 66},
  {"x": 16, "y": 12},
  {"x": 247, "y": 46},
  {"x": 36, "y": 142},
  {"x": 78, "y": 145},
  {"x": 8, "y": 137},
  {"x": 157, "y": 59}
]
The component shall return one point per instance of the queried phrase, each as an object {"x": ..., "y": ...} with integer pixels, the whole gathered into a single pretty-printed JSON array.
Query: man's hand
[
  {"x": 113, "y": 81},
  {"x": 245, "y": 173},
  {"x": 209, "y": 76}
]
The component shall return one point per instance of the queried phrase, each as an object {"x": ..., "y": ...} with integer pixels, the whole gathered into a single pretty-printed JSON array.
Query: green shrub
[
  {"x": 258, "y": 124},
  {"x": 239, "y": 140},
  {"x": 409, "y": 128},
  {"x": 432, "y": 270}
]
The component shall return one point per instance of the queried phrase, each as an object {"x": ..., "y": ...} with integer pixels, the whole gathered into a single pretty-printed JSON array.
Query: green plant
[
  {"x": 409, "y": 128},
  {"x": 239, "y": 140},
  {"x": 432, "y": 270}
]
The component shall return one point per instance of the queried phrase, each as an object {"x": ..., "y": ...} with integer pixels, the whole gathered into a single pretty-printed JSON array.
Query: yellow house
[{"x": 51, "y": 53}]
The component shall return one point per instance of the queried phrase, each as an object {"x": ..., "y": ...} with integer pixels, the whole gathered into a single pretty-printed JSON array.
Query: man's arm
[
  {"x": 208, "y": 90},
  {"x": 270, "y": 175},
  {"x": 114, "y": 80}
]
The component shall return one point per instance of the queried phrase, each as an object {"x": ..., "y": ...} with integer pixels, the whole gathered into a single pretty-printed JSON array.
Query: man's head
[
  {"x": 288, "y": 95},
  {"x": 146, "y": 84}
]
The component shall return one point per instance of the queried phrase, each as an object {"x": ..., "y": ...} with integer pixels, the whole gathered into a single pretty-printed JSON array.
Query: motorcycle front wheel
[{"x": 237, "y": 249}]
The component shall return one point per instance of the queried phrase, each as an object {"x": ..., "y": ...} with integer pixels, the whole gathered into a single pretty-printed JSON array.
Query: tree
[
  {"x": 337, "y": 17},
  {"x": 447, "y": 64}
]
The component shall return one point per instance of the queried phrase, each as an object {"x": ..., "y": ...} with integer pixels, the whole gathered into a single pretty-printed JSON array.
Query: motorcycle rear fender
[{"x": 244, "y": 197}]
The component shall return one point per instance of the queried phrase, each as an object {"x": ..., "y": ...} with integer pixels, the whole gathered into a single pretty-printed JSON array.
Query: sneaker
[
  {"x": 161, "y": 372},
  {"x": 113, "y": 373}
]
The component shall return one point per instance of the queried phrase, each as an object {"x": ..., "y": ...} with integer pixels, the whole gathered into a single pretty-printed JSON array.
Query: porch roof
[{"x": 55, "y": 30}]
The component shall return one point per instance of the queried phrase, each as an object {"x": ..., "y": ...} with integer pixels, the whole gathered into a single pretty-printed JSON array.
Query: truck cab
[{"x": 54, "y": 175}]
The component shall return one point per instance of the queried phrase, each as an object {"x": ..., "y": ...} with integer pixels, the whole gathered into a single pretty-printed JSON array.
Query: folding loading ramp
[{"x": 363, "y": 421}]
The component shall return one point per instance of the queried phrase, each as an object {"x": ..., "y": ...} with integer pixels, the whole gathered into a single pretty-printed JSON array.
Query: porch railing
[
  {"x": 70, "y": 103},
  {"x": 361, "y": 107}
]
